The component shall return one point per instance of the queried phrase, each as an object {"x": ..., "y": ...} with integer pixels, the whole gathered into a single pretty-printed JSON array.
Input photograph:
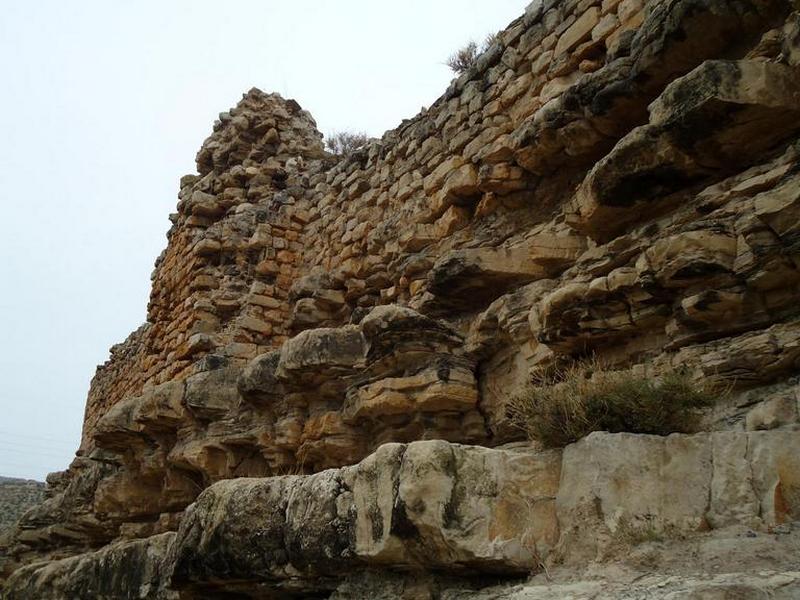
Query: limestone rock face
[
  {"x": 404, "y": 507},
  {"x": 318, "y": 402},
  {"x": 695, "y": 132},
  {"x": 676, "y": 484},
  {"x": 137, "y": 569},
  {"x": 469, "y": 514},
  {"x": 782, "y": 586}
]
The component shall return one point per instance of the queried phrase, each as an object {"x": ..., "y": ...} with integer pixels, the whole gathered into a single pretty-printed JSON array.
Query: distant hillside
[{"x": 16, "y": 496}]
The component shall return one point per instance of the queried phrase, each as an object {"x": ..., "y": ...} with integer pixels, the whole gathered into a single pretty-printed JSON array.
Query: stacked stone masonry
[{"x": 618, "y": 178}]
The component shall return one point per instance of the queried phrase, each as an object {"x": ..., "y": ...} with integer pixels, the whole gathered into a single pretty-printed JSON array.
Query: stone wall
[
  {"x": 612, "y": 178},
  {"x": 222, "y": 283}
]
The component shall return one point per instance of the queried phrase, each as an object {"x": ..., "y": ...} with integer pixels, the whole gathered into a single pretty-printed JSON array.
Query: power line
[
  {"x": 30, "y": 444},
  {"x": 18, "y": 451},
  {"x": 28, "y": 435},
  {"x": 36, "y": 437},
  {"x": 29, "y": 467},
  {"x": 34, "y": 460}
]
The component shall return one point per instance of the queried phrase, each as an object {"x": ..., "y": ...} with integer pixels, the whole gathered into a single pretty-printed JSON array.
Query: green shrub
[{"x": 566, "y": 406}]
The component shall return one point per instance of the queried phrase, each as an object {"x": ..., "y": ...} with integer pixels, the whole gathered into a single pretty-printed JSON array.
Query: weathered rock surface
[
  {"x": 675, "y": 485},
  {"x": 16, "y": 496},
  {"x": 427, "y": 505},
  {"x": 137, "y": 569},
  {"x": 778, "y": 585},
  {"x": 327, "y": 335},
  {"x": 471, "y": 514},
  {"x": 695, "y": 133}
]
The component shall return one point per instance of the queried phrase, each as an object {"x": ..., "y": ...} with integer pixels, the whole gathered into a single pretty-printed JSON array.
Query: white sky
[{"x": 103, "y": 106}]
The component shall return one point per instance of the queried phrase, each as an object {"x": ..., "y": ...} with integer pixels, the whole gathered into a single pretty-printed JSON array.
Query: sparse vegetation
[
  {"x": 567, "y": 405},
  {"x": 466, "y": 56},
  {"x": 17, "y": 496},
  {"x": 644, "y": 529},
  {"x": 462, "y": 59},
  {"x": 343, "y": 143},
  {"x": 489, "y": 40}
]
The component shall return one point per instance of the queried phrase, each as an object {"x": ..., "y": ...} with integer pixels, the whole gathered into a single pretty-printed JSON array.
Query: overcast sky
[{"x": 105, "y": 103}]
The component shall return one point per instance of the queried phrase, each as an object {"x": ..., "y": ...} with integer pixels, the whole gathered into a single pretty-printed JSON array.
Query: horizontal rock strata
[
  {"x": 469, "y": 512},
  {"x": 317, "y": 403}
]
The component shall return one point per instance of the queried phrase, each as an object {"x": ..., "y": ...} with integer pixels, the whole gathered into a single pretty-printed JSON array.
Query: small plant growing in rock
[
  {"x": 343, "y": 143},
  {"x": 463, "y": 59},
  {"x": 567, "y": 405},
  {"x": 489, "y": 40},
  {"x": 646, "y": 529}
]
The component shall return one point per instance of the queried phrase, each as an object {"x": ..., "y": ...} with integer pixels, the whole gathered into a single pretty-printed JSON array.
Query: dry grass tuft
[
  {"x": 462, "y": 60},
  {"x": 343, "y": 143},
  {"x": 574, "y": 401}
]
